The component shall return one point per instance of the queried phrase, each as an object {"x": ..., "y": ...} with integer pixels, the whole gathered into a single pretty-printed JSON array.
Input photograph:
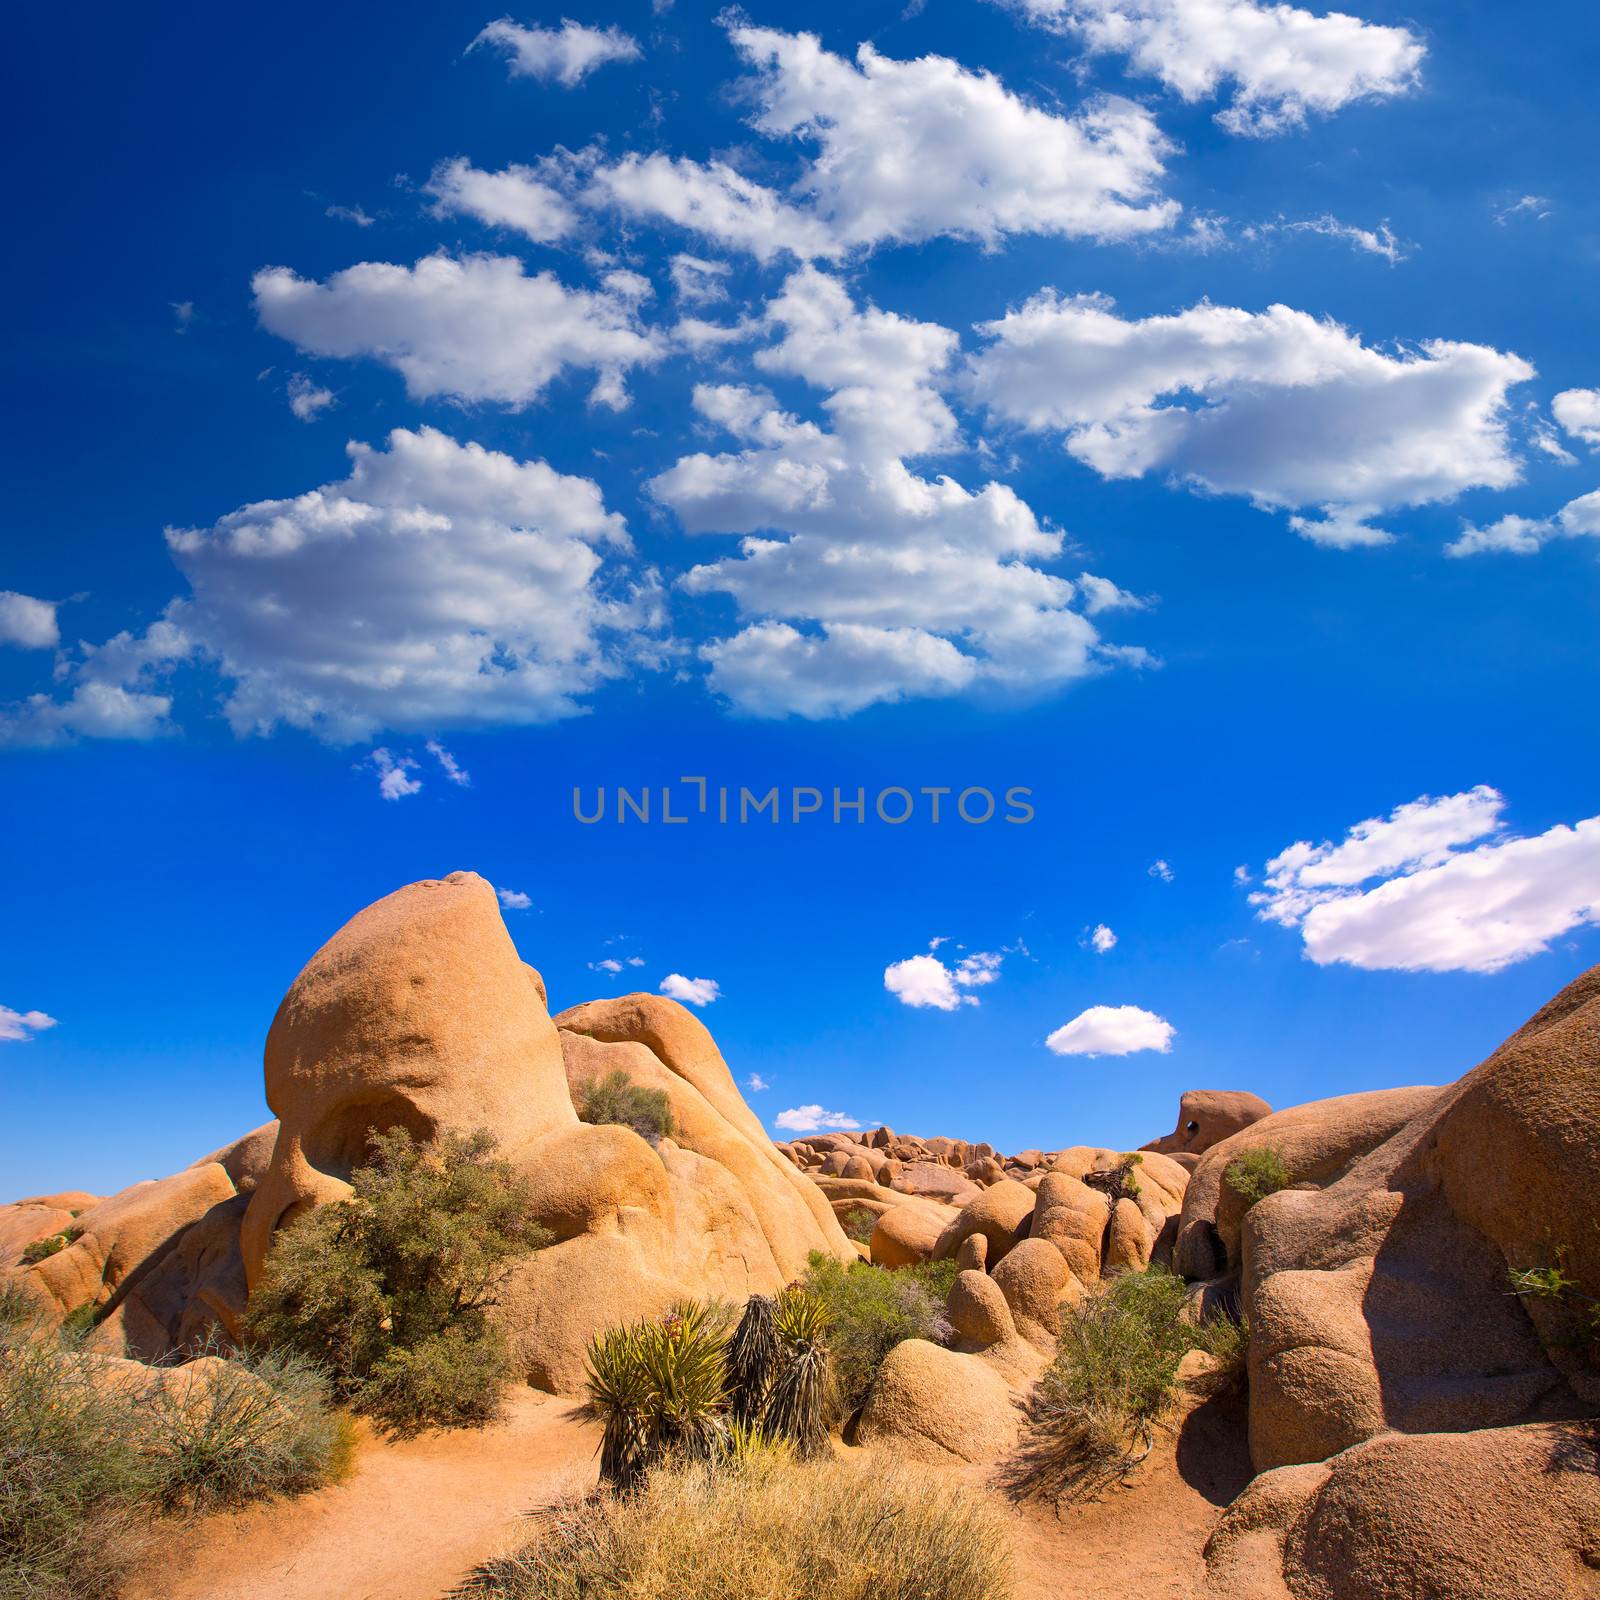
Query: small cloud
[
  {"x": 351, "y": 214},
  {"x": 608, "y": 964},
  {"x": 926, "y": 982},
  {"x": 1534, "y": 206},
  {"x": 691, "y": 991},
  {"x": 1242, "y": 875},
  {"x": 981, "y": 967},
  {"x": 513, "y": 899},
  {"x": 564, "y": 55},
  {"x": 756, "y": 1084},
  {"x": 453, "y": 769},
  {"x": 183, "y": 314},
  {"x": 1102, "y": 939},
  {"x": 28, "y": 623},
  {"x": 18, "y": 1027},
  {"x": 813, "y": 1119},
  {"x": 635, "y": 961},
  {"x": 393, "y": 780},
  {"x": 307, "y": 400},
  {"x": 1161, "y": 870},
  {"x": 1112, "y": 1031}
]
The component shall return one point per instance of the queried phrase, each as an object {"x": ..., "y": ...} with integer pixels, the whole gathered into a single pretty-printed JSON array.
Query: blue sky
[{"x": 940, "y": 327}]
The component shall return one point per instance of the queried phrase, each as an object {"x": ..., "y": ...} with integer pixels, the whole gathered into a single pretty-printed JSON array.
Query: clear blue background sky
[{"x": 159, "y": 896}]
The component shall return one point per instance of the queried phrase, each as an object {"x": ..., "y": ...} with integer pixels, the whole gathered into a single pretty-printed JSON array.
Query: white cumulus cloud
[
  {"x": 857, "y": 580},
  {"x": 1578, "y": 412},
  {"x": 926, "y": 981},
  {"x": 1437, "y": 886},
  {"x": 28, "y": 623},
  {"x": 1281, "y": 61},
  {"x": 1112, "y": 1031},
  {"x": 1102, "y": 939},
  {"x": 690, "y": 991},
  {"x": 394, "y": 774},
  {"x": 308, "y": 400},
  {"x": 756, "y": 1084},
  {"x": 910, "y": 150},
  {"x": 514, "y": 899},
  {"x": 518, "y": 198},
  {"x": 1278, "y": 405},
  {"x": 813, "y": 1119},
  {"x": 474, "y": 327},
  {"x": 1526, "y": 536},
  {"x": 564, "y": 55},
  {"x": 17, "y": 1027}
]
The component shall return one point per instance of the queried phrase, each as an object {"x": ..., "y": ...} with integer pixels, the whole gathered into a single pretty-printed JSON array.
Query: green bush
[
  {"x": 390, "y": 1291},
  {"x": 1256, "y": 1174},
  {"x": 858, "y": 1223},
  {"x": 616, "y": 1098},
  {"x": 870, "y": 1311},
  {"x": 36, "y": 1252},
  {"x": 752, "y": 1358},
  {"x": 90, "y": 1455},
  {"x": 769, "y": 1528},
  {"x": 1551, "y": 1282},
  {"x": 1092, "y": 1415}
]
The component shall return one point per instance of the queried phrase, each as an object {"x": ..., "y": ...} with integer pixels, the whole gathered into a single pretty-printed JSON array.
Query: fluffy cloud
[
  {"x": 1276, "y": 405},
  {"x": 28, "y": 623},
  {"x": 394, "y": 774},
  {"x": 439, "y": 585},
  {"x": 756, "y": 1084},
  {"x": 910, "y": 150},
  {"x": 1112, "y": 1031},
  {"x": 17, "y": 1027},
  {"x": 690, "y": 991},
  {"x": 308, "y": 400},
  {"x": 1526, "y": 536},
  {"x": 518, "y": 198},
  {"x": 1282, "y": 61},
  {"x": 564, "y": 55},
  {"x": 925, "y": 981},
  {"x": 1578, "y": 412},
  {"x": 1102, "y": 939},
  {"x": 813, "y": 1119},
  {"x": 1161, "y": 870},
  {"x": 712, "y": 200},
  {"x": 1407, "y": 893},
  {"x": 474, "y": 327},
  {"x": 901, "y": 585},
  {"x": 514, "y": 899}
]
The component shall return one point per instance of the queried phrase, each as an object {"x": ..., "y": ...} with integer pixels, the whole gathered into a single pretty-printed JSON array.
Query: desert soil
[
  {"x": 412, "y": 1519},
  {"x": 416, "y": 1516}
]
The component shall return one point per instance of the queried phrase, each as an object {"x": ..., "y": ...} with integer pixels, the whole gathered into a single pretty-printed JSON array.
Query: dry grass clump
[
  {"x": 91, "y": 1451},
  {"x": 1092, "y": 1416},
  {"x": 770, "y": 1528}
]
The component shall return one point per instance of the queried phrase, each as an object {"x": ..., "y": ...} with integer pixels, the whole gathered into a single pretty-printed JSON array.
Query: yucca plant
[
  {"x": 752, "y": 1353},
  {"x": 661, "y": 1389},
  {"x": 797, "y": 1403}
]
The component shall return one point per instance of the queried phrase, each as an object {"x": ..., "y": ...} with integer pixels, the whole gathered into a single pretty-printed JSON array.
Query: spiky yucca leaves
[
  {"x": 798, "y": 1401},
  {"x": 661, "y": 1389},
  {"x": 752, "y": 1353}
]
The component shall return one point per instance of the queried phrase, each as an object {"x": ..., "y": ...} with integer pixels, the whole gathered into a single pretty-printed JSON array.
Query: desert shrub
[
  {"x": 937, "y": 1277},
  {"x": 254, "y": 1426},
  {"x": 769, "y": 1529},
  {"x": 91, "y": 1453},
  {"x": 40, "y": 1249},
  {"x": 858, "y": 1223},
  {"x": 1551, "y": 1282},
  {"x": 1118, "y": 1182},
  {"x": 1092, "y": 1415},
  {"x": 80, "y": 1320},
  {"x": 1256, "y": 1174},
  {"x": 390, "y": 1291},
  {"x": 616, "y": 1098},
  {"x": 660, "y": 1388},
  {"x": 870, "y": 1311},
  {"x": 75, "y": 1480},
  {"x": 800, "y": 1402}
]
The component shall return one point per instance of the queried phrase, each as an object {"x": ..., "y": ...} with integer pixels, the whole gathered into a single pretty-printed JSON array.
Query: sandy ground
[
  {"x": 416, "y": 1516},
  {"x": 412, "y": 1519},
  {"x": 1145, "y": 1539}
]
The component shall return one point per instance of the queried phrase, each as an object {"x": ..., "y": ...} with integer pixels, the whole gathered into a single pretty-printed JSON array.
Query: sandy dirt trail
[
  {"x": 413, "y": 1518},
  {"x": 1145, "y": 1539}
]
